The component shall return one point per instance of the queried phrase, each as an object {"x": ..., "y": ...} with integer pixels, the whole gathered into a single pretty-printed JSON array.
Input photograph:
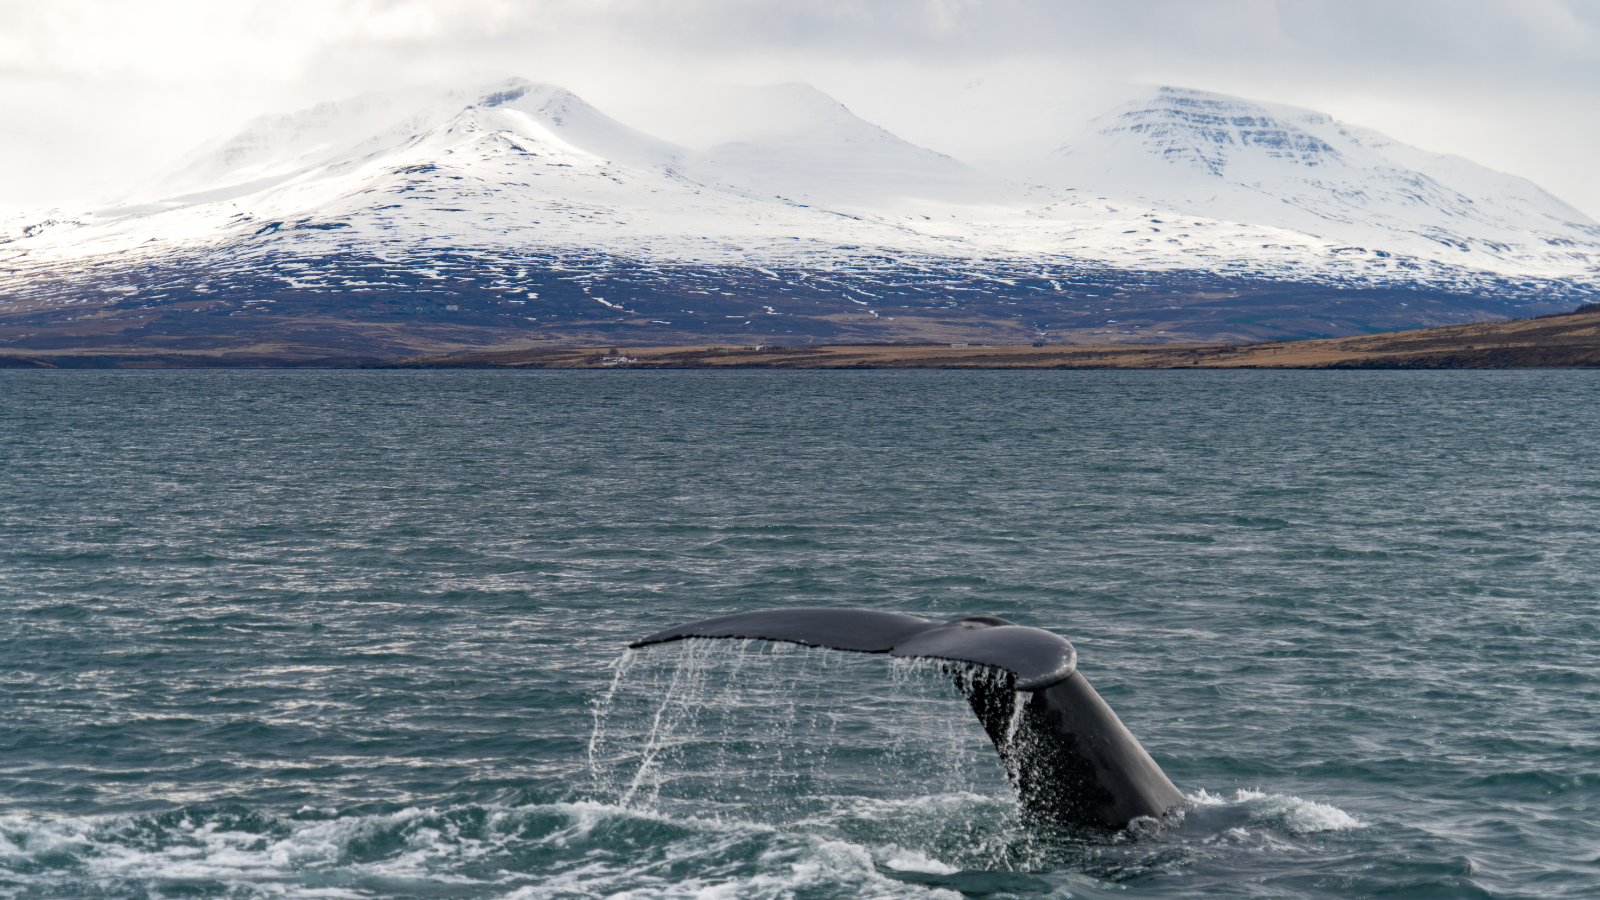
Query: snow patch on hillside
[{"x": 1175, "y": 179}]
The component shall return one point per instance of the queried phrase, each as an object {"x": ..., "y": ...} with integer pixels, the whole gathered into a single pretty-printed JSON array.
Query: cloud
[{"x": 95, "y": 93}]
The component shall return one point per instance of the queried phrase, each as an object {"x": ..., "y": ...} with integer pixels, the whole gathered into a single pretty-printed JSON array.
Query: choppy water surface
[{"x": 344, "y": 634}]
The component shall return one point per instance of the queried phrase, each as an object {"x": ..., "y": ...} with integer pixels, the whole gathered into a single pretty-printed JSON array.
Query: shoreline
[{"x": 1561, "y": 340}]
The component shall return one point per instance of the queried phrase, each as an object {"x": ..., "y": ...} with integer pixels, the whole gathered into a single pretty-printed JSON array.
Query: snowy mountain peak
[
  {"x": 564, "y": 116},
  {"x": 1168, "y": 134},
  {"x": 795, "y": 141},
  {"x": 790, "y": 112},
  {"x": 1267, "y": 164},
  {"x": 515, "y": 89},
  {"x": 1214, "y": 132},
  {"x": 551, "y": 103},
  {"x": 272, "y": 150}
]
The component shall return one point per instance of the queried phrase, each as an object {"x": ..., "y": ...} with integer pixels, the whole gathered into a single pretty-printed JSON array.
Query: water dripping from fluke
[{"x": 1070, "y": 759}]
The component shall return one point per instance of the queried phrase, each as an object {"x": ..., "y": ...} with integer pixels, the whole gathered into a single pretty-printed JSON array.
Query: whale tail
[{"x": 1070, "y": 759}]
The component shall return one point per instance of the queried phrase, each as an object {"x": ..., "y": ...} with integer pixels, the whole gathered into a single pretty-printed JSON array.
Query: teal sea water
[{"x": 361, "y": 634}]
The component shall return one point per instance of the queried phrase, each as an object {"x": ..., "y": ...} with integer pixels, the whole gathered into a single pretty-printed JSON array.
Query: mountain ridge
[{"x": 523, "y": 208}]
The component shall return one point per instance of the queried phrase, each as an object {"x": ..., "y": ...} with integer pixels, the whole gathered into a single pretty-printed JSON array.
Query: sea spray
[
  {"x": 707, "y": 720},
  {"x": 602, "y": 705}
]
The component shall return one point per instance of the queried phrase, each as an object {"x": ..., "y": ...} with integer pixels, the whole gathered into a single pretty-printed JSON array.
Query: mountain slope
[
  {"x": 396, "y": 224},
  {"x": 1207, "y": 154},
  {"x": 794, "y": 141}
]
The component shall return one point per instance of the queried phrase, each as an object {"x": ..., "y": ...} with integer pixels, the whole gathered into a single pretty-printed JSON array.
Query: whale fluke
[
  {"x": 1070, "y": 759},
  {"x": 1037, "y": 658}
]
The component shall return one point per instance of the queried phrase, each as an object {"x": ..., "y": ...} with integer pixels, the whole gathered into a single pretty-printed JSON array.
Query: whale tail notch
[{"x": 1070, "y": 759}]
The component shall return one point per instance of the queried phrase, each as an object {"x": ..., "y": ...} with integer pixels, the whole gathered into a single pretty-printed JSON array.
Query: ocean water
[{"x": 361, "y": 634}]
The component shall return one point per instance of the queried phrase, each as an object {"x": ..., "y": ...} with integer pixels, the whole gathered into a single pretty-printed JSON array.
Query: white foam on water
[
  {"x": 1290, "y": 814},
  {"x": 295, "y": 860},
  {"x": 878, "y": 808},
  {"x": 912, "y": 861},
  {"x": 794, "y": 863},
  {"x": 851, "y": 848},
  {"x": 24, "y": 840},
  {"x": 430, "y": 847}
]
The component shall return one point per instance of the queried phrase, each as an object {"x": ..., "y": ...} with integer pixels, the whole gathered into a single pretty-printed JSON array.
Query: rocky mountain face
[{"x": 519, "y": 214}]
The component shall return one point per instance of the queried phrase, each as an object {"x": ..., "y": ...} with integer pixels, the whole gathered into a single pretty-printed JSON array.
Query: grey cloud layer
[{"x": 95, "y": 90}]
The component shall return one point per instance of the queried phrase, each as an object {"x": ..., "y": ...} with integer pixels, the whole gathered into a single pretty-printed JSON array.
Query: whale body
[{"x": 1071, "y": 760}]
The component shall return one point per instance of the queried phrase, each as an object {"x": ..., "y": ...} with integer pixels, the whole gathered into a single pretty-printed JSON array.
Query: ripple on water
[{"x": 339, "y": 634}]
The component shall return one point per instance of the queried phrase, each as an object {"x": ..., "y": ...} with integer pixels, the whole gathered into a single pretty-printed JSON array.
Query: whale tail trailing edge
[{"x": 1070, "y": 759}]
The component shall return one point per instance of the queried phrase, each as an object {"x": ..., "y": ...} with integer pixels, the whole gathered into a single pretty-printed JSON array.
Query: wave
[
  {"x": 548, "y": 850},
  {"x": 1282, "y": 812},
  {"x": 845, "y": 847}
]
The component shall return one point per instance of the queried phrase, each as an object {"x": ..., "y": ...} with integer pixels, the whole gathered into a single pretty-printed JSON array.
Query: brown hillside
[{"x": 1567, "y": 340}]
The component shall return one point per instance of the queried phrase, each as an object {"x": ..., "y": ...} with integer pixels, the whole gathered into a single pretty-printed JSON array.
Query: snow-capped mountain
[
  {"x": 793, "y": 141},
  {"x": 424, "y": 221},
  {"x": 1222, "y": 157}
]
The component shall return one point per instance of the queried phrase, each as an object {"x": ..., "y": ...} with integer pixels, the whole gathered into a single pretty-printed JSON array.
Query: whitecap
[{"x": 1283, "y": 812}]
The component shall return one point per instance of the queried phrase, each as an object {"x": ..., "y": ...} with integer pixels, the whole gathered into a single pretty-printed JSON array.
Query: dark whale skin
[{"x": 1071, "y": 760}]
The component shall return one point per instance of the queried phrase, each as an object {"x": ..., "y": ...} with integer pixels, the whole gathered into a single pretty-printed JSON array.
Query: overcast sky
[{"x": 97, "y": 94}]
